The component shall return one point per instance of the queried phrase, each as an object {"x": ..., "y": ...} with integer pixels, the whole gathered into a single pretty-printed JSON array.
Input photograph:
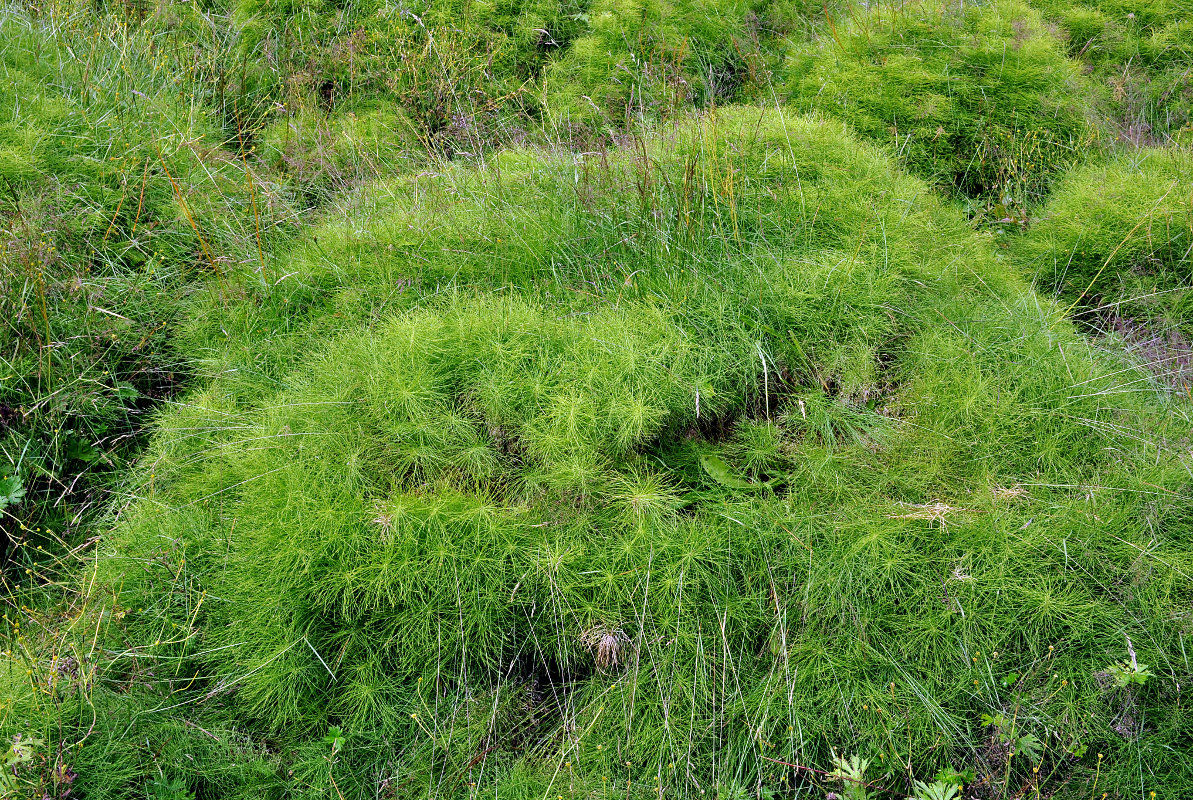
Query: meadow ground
[{"x": 612, "y": 400}]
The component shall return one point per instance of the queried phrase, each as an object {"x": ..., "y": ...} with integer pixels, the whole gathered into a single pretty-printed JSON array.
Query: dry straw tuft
[
  {"x": 1009, "y": 494},
  {"x": 932, "y": 512},
  {"x": 608, "y": 645}
]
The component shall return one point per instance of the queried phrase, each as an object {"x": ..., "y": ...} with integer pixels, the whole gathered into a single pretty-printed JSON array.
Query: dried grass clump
[
  {"x": 607, "y": 644},
  {"x": 937, "y": 512}
]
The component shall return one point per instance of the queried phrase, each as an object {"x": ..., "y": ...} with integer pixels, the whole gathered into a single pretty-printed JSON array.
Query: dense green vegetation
[
  {"x": 1119, "y": 236},
  {"x": 978, "y": 98},
  {"x": 1139, "y": 55},
  {"x": 618, "y": 399},
  {"x": 649, "y": 58},
  {"x": 116, "y": 194}
]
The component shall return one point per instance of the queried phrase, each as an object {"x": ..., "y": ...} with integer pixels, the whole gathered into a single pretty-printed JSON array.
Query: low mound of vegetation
[
  {"x": 439, "y": 60},
  {"x": 1140, "y": 56},
  {"x": 977, "y": 98},
  {"x": 115, "y": 193},
  {"x": 1116, "y": 240},
  {"x": 324, "y": 95},
  {"x": 767, "y": 474},
  {"x": 322, "y": 153},
  {"x": 652, "y": 57}
]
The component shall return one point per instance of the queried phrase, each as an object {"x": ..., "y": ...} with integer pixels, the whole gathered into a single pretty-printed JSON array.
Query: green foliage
[
  {"x": 334, "y": 739},
  {"x": 162, "y": 788},
  {"x": 716, "y": 468},
  {"x": 1010, "y": 733},
  {"x": 20, "y": 754},
  {"x": 851, "y": 772},
  {"x": 1140, "y": 56},
  {"x": 977, "y": 98},
  {"x": 651, "y": 57},
  {"x": 1129, "y": 674},
  {"x": 660, "y": 469},
  {"x": 1119, "y": 235},
  {"x": 464, "y": 72},
  {"x": 115, "y": 195},
  {"x": 321, "y": 153},
  {"x": 443, "y": 490},
  {"x": 950, "y": 776},
  {"x": 937, "y": 790},
  {"x": 12, "y": 489},
  {"x": 109, "y": 738},
  {"x": 332, "y": 93}
]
